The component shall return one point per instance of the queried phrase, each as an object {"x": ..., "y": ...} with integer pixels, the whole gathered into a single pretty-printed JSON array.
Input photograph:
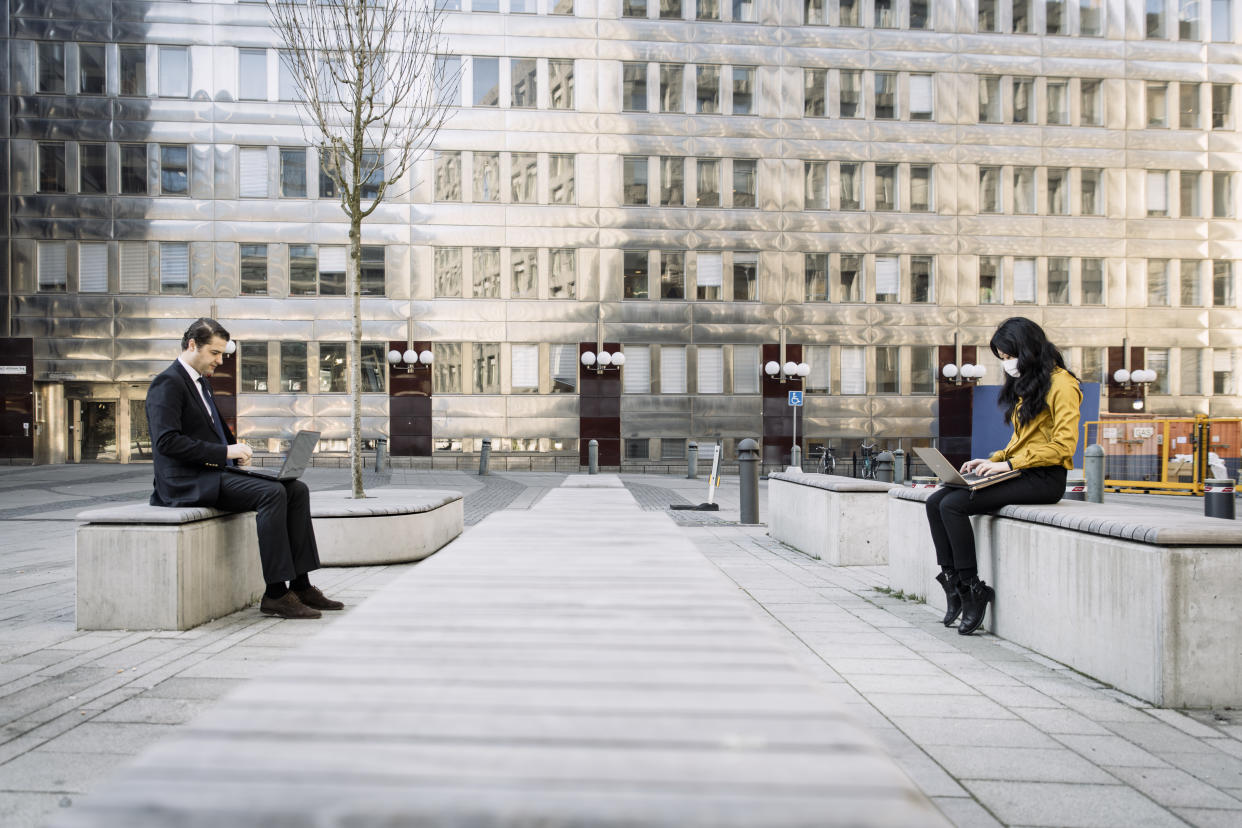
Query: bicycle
[
  {"x": 868, "y": 454},
  {"x": 827, "y": 461}
]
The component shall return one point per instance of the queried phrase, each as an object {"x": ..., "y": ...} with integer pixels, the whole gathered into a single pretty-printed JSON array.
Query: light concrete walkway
[
  {"x": 991, "y": 733},
  {"x": 578, "y": 663}
]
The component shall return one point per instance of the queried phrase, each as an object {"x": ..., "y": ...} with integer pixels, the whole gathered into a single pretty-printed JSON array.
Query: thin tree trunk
[{"x": 355, "y": 353}]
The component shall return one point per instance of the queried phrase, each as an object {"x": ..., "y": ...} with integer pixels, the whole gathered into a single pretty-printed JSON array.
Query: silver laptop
[
  {"x": 296, "y": 461},
  {"x": 950, "y": 476}
]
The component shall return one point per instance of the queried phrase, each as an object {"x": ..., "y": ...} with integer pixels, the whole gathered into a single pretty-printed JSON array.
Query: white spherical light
[
  {"x": 803, "y": 369},
  {"x": 1121, "y": 375},
  {"x": 618, "y": 359},
  {"x": 605, "y": 358},
  {"x": 772, "y": 368},
  {"x": 588, "y": 359},
  {"x": 410, "y": 357},
  {"x": 980, "y": 370},
  {"x": 949, "y": 370},
  {"x": 425, "y": 357},
  {"x": 394, "y": 357},
  {"x": 791, "y": 368}
]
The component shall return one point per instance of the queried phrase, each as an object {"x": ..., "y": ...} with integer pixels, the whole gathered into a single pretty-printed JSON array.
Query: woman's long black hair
[{"x": 1037, "y": 358}]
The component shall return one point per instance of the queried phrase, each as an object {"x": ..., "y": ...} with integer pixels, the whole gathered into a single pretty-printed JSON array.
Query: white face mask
[{"x": 1011, "y": 367}]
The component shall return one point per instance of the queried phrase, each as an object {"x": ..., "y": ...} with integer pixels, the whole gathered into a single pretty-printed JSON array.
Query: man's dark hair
[{"x": 202, "y": 331}]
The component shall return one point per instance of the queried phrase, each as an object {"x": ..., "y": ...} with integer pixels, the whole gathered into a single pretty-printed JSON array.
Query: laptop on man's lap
[{"x": 296, "y": 461}]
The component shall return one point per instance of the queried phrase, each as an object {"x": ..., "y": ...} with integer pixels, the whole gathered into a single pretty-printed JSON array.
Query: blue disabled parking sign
[{"x": 795, "y": 398}]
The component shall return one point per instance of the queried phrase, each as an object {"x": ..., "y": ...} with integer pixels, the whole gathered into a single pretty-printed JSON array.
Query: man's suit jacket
[{"x": 189, "y": 457}]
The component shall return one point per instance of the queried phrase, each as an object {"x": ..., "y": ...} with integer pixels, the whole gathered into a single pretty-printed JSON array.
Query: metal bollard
[
  {"x": 692, "y": 461},
  {"x": 1093, "y": 470},
  {"x": 485, "y": 455},
  {"x": 899, "y": 467},
  {"x": 884, "y": 467},
  {"x": 1218, "y": 499},
  {"x": 593, "y": 457},
  {"x": 1075, "y": 486},
  {"x": 381, "y": 455},
  {"x": 748, "y": 474},
  {"x": 795, "y": 457}
]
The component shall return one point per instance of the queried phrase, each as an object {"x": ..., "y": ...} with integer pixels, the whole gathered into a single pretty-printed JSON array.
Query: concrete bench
[
  {"x": 1142, "y": 599},
  {"x": 836, "y": 519},
  {"x": 166, "y": 568}
]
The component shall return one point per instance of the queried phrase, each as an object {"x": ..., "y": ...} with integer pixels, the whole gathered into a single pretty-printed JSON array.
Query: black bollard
[
  {"x": 692, "y": 461},
  {"x": 593, "y": 457},
  {"x": 748, "y": 474},
  {"x": 485, "y": 456},
  {"x": 1218, "y": 499}
]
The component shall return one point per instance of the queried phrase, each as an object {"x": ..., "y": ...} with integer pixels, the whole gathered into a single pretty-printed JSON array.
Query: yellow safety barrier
[{"x": 1172, "y": 454}]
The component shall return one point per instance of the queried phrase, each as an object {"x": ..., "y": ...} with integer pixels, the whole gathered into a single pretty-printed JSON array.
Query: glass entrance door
[{"x": 99, "y": 444}]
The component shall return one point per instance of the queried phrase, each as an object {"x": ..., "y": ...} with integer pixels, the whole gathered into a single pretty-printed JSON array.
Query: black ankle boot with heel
[
  {"x": 953, "y": 601},
  {"x": 975, "y": 595}
]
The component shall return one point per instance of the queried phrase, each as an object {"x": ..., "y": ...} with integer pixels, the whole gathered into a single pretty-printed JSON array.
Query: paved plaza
[{"x": 579, "y": 656}]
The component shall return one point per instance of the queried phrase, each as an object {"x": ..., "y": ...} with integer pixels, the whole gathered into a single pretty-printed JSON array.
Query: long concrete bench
[
  {"x": 156, "y": 567},
  {"x": 836, "y": 519},
  {"x": 1145, "y": 600}
]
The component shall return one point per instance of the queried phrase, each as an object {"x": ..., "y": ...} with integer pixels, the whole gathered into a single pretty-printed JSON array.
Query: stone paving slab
[{"x": 596, "y": 672}]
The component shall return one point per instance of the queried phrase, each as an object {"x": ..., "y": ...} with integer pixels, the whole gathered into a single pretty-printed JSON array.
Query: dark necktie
[{"x": 212, "y": 410}]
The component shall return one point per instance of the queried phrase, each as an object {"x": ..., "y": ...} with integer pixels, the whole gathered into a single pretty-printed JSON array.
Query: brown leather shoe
[
  {"x": 315, "y": 599},
  {"x": 287, "y": 606}
]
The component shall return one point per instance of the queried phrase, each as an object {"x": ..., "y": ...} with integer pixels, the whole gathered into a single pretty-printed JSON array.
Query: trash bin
[{"x": 381, "y": 455}]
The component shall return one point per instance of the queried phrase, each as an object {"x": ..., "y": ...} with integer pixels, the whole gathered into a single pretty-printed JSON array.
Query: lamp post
[
  {"x": 966, "y": 371},
  {"x": 411, "y": 359},
  {"x": 794, "y": 370},
  {"x": 603, "y": 361},
  {"x": 1139, "y": 376}
]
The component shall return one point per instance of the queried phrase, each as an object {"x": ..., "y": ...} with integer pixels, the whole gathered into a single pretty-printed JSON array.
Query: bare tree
[{"x": 369, "y": 82}]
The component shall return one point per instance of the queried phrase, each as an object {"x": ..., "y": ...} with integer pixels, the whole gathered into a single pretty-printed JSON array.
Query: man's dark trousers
[{"x": 286, "y": 540}]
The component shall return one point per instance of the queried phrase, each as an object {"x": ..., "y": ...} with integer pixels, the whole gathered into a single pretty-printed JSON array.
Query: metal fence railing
[{"x": 1166, "y": 453}]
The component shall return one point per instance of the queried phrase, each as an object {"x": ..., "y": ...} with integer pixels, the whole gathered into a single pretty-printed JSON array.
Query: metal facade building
[{"x": 856, "y": 184}]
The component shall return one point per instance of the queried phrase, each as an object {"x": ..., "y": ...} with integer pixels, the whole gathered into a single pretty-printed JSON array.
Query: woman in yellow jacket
[{"x": 1040, "y": 399}]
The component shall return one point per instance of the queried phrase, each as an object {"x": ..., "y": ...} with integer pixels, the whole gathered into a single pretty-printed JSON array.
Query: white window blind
[
  {"x": 332, "y": 260},
  {"x": 134, "y": 265},
  {"x": 1024, "y": 280},
  {"x": 710, "y": 270},
  {"x": 174, "y": 72},
  {"x": 886, "y": 276},
  {"x": 1222, "y": 360},
  {"x": 636, "y": 375},
  {"x": 252, "y": 64},
  {"x": 1157, "y": 192},
  {"x": 564, "y": 359},
  {"x": 745, "y": 369},
  {"x": 174, "y": 266},
  {"x": 52, "y": 270},
  {"x": 92, "y": 267},
  {"x": 920, "y": 94},
  {"x": 711, "y": 369},
  {"x": 525, "y": 366},
  {"x": 253, "y": 165},
  {"x": 816, "y": 356},
  {"x": 673, "y": 369},
  {"x": 853, "y": 370}
]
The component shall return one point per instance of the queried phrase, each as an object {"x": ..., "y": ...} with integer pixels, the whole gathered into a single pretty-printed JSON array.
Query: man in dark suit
[{"x": 192, "y": 446}]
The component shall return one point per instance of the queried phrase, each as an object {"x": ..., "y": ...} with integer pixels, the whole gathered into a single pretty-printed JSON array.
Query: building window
[
  {"x": 174, "y": 72},
  {"x": 744, "y": 182},
  {"x": 636, "y": 377},
  {"x": 485, "y": 367},
  {"x": 710, "y": 369},
  {"x": 638, "y": 448},
  {"x": 634, "y": 87},
  {"x": 886, "y": 95},
  {"x": 447, "y": 80},
  {"x": 523, "y": 178},
  {"x": 815, "y": 93},
  {"x": 135, "y": 265},
  {"x": 1091, "y": 18},
  {"x": 1094, "y": 365},
  {"x": 816, "y": 269},
  {"x": 634, "y": 183},
  {"x": 851, "y": 186},
  {"x": 746, "y": 369},
  {"x": 485, "y": 281},
  {"x": 92, "y": 69},
  {"x": 672, "y": 275},
  {"x": 885, "y": 187},
  {"x": 303, "y": 270},
  {"x": 332, "y": 270},
  {"x": 1058, "y": 102},
  {"x": 1188, "y": 192},
  {"x": 989, "y": 100},
  {"x": 486, "y": 177},
  {"x": 1188, "y": 105},
  {"x": 921, "y": 188},
  {"x": 672, "y": 77},
  {"x": 745, "y": 277},
  {"x": 133, "y": 68},
  {"x": 1090, "y": 193},
  {"x": 252, "y": 168},
  {"x": 921, "y": 98},
  {"x": 448, "y": 176},
  {"x": 1058, "y": 191},
  {"x": 989, "y": 189},
  {"x": 707, "y": 182},
  {"x": 672, "y": 181},
  {"x": 1024, "y": 190},
  {"x": 885, "y": 14},
  {"x": 293, "y": 367},
  {"x": 1222, "y": 106},
  {"x": 709, "y": 280},
  {"x": 850, "y": 287},
  {"x": 561, "y": 84},
  {"x": 327, "y": 174},
  {"x": 92, "y": 267},
  {"x": 522, "y": 72},
  {"x": 671, "y": 10},
  {"x": 288, "y": 85},
  {"x": 672, "y": 369},
  {"x": 1157, "y": 105},
  {"x": 818, "y": 381},
  {"x": 744, "y": 11},
  {"x": 253, "y": 359},
  {"x": 1157, "y": 193},
  {"x": 887, "y": 279},
  {"x": 1091, "y": 102},
  {"x": 563, "y": 273},
  {"x": 174, "y": 267},
  {"x": 1158, "y": 283},
  {"x": 486, "y": 81},
  {"x": 252, "y": 74},
  {"x": 53, "y": 272},
  {"x": 1023, "y": 100},
  {"x": 1058, "y": 280},
  {"x": 922, "y": 279},
  {"x": 1188, "y": 20},
  {"x": 815, "y": 174},
  {"x": 813, "y": 13},
  {"x": 991, "y": 291},
  {"x": 1024, "y": 281},
  {"x": 1055, "y": 21},
  {"x": 447, "y": 269},
  {"x": 293, "y": 173},
  {"x": 371, "y": 281},
  {"x": 254, "y": 269},
  {"x": 853, "y": 370},
  {"x": 1222, "y": 371},
  {"x": 333, "y": 375},
  {"x": 1155, "y": 19},
  {"x": 635, "y": 272},
  {"x": 51, "y": 167},
  {"x": 174, "y": 170},
  {"x": 446, "y": 372},
  {"x": 707, "y": 89},
  {"x": 1222, "y": 195},
  {"x": 850, "y": 103},
  {"x": 1157, "y": 359},
  {"x": 524, "y": 273},
  {"x": 743, "y": 89},
  {"x": 133, "y": 169},
  {"x": 51, "y": 68},
  {"x": 922, "y": 369},
  {"x": 1021, "y": 16},
  {"x": 1222, "y": 285},
  {"x": 1191, "y": 296},
  {"x": 1092, "y": 281},
  {"x": 563, "y": 366},
  {"x": 988, "y": 19},
  {"x": 849, "y": 13}
]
